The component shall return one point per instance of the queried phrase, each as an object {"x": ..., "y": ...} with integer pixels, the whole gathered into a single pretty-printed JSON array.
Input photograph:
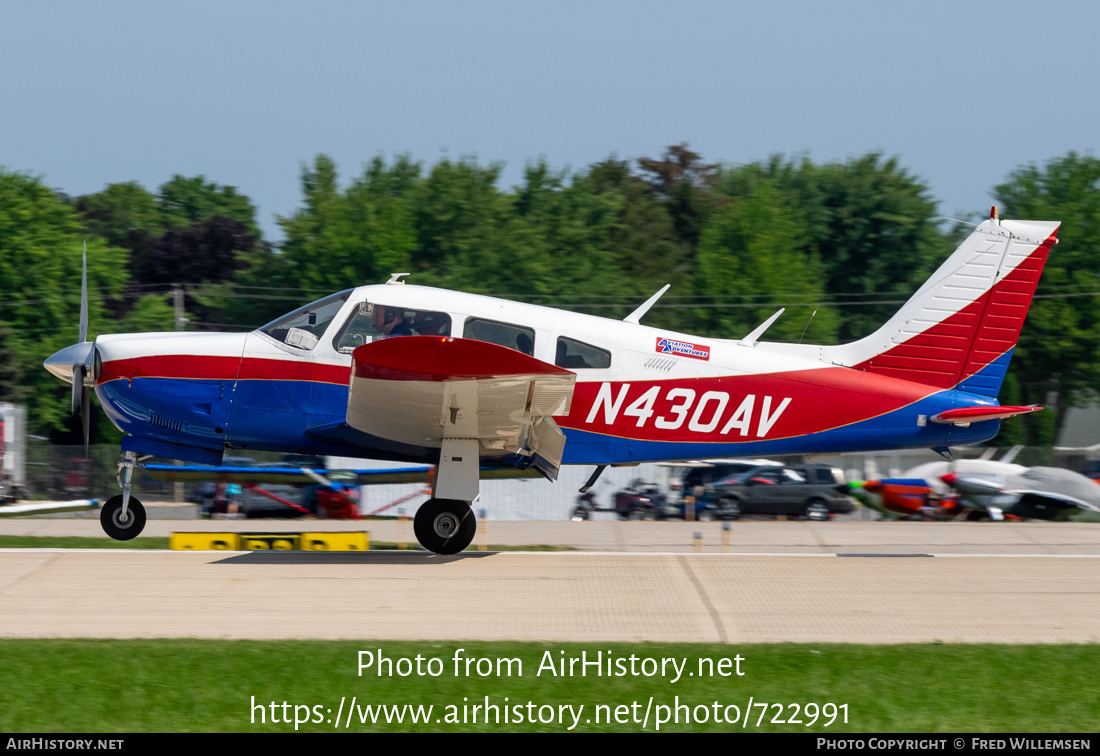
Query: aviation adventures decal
[{"x": 683, "y": 349}]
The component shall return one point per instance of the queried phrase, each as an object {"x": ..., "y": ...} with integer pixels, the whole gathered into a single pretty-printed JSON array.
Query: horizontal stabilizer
[{"x": 968, "y": 415}]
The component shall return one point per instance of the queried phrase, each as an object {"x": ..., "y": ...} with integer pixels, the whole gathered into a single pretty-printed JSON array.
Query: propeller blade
[
  {"x": 84, "y": 297},
  {"x": 78, "y": 387},
  {"x": 86, "y": 416}
]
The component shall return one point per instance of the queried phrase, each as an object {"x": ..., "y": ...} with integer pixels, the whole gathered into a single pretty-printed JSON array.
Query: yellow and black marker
[{"x": 347, "y": 541}]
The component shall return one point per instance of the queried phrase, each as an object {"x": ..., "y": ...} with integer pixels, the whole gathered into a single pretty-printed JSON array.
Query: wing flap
[{"x": 424, "y": 390}]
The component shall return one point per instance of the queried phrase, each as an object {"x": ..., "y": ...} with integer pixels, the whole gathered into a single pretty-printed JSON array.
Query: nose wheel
[
  {"x": 122, "y": 525},
  {"x": 445, "y": 526},
  {"x": 123, "y": 516}
]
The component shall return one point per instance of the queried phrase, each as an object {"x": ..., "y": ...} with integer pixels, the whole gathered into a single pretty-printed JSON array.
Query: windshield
[{"x": 303, "y": 328}]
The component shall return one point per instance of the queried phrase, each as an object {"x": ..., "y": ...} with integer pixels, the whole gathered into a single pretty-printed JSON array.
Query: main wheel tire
[
  {"x": 445, "y": 526},
  {"x": 110, "y": 517},
  {"x": 817, "y": 510},
  {"x": 729, "y": 509}
]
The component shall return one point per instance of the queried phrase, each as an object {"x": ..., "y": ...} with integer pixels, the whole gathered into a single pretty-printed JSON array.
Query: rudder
[{"x": 960, "y": 328}]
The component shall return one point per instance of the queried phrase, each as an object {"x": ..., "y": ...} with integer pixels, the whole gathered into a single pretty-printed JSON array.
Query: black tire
[
  {"x": 445, "y": 526},
  {"x": 581, "y": 513},
  {"x": 110, "y": 518},
  {"x": 817, "y": 510},
  {"x": 730, "y": 509}
]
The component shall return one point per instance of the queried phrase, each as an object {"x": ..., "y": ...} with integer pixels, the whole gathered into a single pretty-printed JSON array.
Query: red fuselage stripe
[{"x": 214, "y": 368}]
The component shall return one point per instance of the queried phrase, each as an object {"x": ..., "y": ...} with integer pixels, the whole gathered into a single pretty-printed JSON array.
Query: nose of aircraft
[{"x": 63, "y": 362}]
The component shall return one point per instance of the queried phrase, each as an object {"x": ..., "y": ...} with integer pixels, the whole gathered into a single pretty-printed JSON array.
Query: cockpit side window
[
  {"x": 516, "y": 337},
  {"x": 370, "y": 322},
  {"x": 304, "y": 327},
  {"x": 573, "y": 354}
]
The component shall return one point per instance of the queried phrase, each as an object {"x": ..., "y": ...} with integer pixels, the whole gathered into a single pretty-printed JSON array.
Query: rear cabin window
[
  {"x": 505, "y": 334},
  {"x": 576, "y": 354}
]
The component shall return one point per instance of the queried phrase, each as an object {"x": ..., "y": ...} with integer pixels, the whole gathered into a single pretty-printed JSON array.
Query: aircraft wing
[
  {"x": 291, "y": 475},
  {"x": 461, "y": 396},
  {"x": 1040, "y": 492}
]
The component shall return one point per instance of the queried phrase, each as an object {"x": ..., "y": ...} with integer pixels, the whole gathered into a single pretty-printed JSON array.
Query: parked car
[
  {"x": 808, "y": 491},
  {"x": 638, "y": 501},
  {"x": 698, "y": 478}
]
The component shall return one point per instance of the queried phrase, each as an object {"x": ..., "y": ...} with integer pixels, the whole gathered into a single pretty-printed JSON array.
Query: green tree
[
  {"x": 460, "y": 219},
  {"x": 344, "y": 238},
  {"x": 873, "y": 226},
  {"x": 41, "y": 238},
  {"x": 1057, "y": 361},
  {"x": 685, "y": 183},
  {"x": 753, "y": 253},
  {"x": 643, "y": 241},
  {"x": 124, "y": 214},
  {"x": 183, "y": 202},
  {"x": 191, "y": 232},
  {"x": 558, "y": 239}
]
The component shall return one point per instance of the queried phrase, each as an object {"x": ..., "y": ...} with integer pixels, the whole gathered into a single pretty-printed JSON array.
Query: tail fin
[{"x": 960, "y": 328}]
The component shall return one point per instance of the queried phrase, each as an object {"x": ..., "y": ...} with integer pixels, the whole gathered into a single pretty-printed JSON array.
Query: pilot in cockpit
[{"x": 388, "y": 321}]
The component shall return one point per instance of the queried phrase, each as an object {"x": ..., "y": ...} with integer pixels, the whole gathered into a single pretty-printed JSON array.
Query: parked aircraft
[
  {"x": 477, "y": 381},
  {"x": 980, "y": 488},
  {"x": 1046, "y": 493}
]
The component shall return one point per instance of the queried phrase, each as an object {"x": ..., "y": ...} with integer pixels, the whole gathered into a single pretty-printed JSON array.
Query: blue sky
[{"x": 243, "y": 92}]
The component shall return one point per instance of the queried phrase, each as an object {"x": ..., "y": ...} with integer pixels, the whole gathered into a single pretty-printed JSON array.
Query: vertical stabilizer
[{"x": 960, "y": 328}]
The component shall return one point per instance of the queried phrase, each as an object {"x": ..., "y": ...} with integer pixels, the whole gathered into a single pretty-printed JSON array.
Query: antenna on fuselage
[
  {"x": 754, "y": 338},
  {"x": 635, "y": 316},
  {"x": 807, "y": 326},
  {"x": 395, "y": 278}
]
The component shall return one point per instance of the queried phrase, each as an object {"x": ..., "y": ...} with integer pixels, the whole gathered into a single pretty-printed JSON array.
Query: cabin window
[
  {"x": 504, "y": 334},
  {"x": 370, "y": 322},
  {"x": 304, "y": 327},
  {"x": 576, "y": 354}
]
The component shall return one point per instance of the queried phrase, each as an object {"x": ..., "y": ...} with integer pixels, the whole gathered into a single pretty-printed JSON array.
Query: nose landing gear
[
  {"x": 122, "y": 525},
  {"x": 123, "y": 516}
]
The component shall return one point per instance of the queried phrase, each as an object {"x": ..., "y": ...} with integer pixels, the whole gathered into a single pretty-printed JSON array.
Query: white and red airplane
[{"x": 476, "y": 381}]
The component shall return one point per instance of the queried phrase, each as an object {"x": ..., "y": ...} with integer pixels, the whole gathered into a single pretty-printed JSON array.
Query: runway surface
[{"x": 633, "y": 581}]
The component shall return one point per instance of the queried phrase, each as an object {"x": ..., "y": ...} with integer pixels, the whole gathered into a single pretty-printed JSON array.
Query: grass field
[{"x": 227, "y": 686}]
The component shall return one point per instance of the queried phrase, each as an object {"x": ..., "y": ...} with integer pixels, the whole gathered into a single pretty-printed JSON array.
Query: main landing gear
[
  {"x": 123, "y": 516},
  {"x": 445, "y": 526}
]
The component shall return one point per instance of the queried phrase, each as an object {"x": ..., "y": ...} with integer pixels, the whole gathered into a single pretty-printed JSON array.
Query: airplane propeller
[{"x": 76, "y": 363}]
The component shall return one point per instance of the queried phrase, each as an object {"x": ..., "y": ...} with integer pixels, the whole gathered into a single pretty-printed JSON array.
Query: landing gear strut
[
  {"x": 123, "y": 517},
  {"x": 445, "y": 526}
]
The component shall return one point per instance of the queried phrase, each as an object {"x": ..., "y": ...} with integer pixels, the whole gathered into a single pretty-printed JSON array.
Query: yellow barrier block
[
  {"x": 359, "y": 541},
  {"x": 205, "y": 541},
  {"x": 271, "y": 541}
]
